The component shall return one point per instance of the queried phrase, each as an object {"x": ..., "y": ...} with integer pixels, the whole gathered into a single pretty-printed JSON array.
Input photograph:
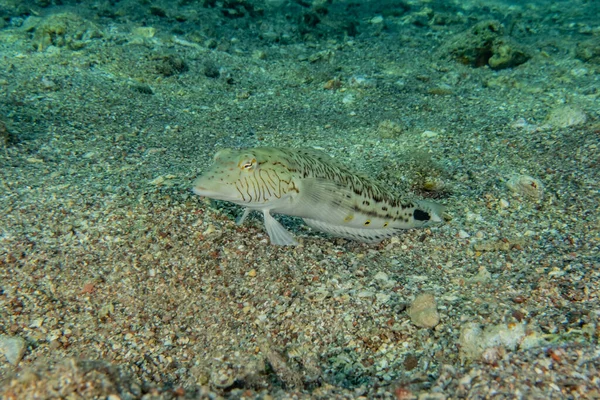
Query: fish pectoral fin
[
  {"x": 338, "y": 200},
  {"x": 277, "y": 233},
  {"x": 240, "y": 220}
]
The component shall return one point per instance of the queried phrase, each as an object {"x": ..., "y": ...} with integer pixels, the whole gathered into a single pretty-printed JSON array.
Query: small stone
[
  {"x": 210, "y": 229},
  {"x": 381, "y": 276},
  {"x": 158, "y": 181},
  {"x": 463, "y": 234},
  {"x": 348, "y": 99},
  {"x": 382, "y": 298},
  {"x": 423, "y": 311},
  {"x": 332, "y": 84},
  {"x": 483, "y": 275},
  {"x": 252, "y": 273},
  {"x": 388, "y": 129},
  {"x": 259, "y": 55},
  {"x": 106, "y": 310},
  {"x": 471, "y": 216},
  {"x": 503, "y": 203},
  {"x": 13, "y": 348},
  {"x": 363, "y": 294},
  {"x": 429, "y": 134},
  {"x": 37, "y": 323}
]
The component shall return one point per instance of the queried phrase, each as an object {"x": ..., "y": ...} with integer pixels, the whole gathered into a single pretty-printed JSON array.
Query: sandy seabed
[{"x": 117, "y": 282}]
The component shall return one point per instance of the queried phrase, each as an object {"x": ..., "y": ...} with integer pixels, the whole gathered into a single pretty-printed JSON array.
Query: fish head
[{"x": 245, "y": 177}]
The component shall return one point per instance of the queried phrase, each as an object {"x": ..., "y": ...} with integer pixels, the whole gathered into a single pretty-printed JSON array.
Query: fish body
[{"x": 311, "y": 185}]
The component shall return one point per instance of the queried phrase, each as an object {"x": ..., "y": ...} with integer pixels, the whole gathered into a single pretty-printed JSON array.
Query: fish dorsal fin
[
  {"x": 321, "y": 156},
  {"x": 314, "y": 152}
]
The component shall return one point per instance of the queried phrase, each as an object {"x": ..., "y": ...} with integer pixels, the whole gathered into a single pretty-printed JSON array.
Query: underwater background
[{"x": 117, "y": 282}]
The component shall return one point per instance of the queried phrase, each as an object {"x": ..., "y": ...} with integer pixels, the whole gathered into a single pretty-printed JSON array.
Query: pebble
[
  {"x": 381, "y": 276},
  {"x": 463, "y": 234},
  {"x": 37, "y": 323},
  {"x": 423, "y": 311},
  {"x": 483, "y": 275},
  {"x": 210, "y": 229},
  {"x": 376, "y": 20},
  {"x": 144, "y": 32},
  {"x": 429, "y": 134},
  {"x": 158, "y": 181},
  {"x": 471, "y": 216},
  {"x": 382, "y": 298},
  {"x": 13, "y": 348},
  {"x": 348, "y": 99},
  {"x": 365, "y": 294}
]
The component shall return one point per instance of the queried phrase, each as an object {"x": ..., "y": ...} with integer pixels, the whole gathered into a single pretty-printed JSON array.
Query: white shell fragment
[
  {"x": 527, "y": 186},
  {"x": 566, "y": 116},
  {"x": 477, "y": 343},
  {"x": 13, "y": 348}
]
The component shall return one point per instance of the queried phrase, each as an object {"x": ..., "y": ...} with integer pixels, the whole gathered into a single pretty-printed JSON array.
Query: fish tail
[{"x": 435, "y": 210}]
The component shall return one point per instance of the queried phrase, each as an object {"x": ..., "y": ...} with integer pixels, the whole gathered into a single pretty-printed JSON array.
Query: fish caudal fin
[{"x": 433, "y": 211}]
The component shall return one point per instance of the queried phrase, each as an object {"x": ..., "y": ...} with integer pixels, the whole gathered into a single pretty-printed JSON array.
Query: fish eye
[{"x": 248, "y": 164}]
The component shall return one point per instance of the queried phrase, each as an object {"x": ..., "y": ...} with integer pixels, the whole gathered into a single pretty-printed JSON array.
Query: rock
[
  {"x": 171, "y": 65},
  {"x": 388, "y": 129},
  {"x": 589, "y": 51},
  {"x": 423, "y": 311},
  {"x": 13, "y": 348},
  {"x": 5, "y": 137},
  {"x": 64, "y": 30},
  {"x": 507, "y": 54},
  {"x": 485, "y": 44}
]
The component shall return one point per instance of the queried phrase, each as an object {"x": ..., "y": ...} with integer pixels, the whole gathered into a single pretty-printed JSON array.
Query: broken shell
[{"x": 527, "y": 186}]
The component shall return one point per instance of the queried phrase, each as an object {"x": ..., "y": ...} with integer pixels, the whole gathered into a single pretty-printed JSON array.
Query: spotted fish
[{"x": 311, "y": 185}]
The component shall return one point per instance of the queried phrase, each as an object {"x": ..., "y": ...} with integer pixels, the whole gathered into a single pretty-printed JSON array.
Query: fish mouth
[
  {"x": 204, "y": 192},
  {"x": 201, "y": 188},
  {"x": 211, "y": 194},
  {"x": 200, "y": 191}
]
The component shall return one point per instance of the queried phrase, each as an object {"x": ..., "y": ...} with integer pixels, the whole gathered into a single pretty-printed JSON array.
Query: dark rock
[
  {"x": 485, "y": 44},
  {"x": 171, "y": 65},
  {"x": 589, "y": 51}
]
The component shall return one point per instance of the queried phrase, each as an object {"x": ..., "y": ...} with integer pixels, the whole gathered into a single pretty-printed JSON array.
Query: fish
[{"x": 309, "y": 184}]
